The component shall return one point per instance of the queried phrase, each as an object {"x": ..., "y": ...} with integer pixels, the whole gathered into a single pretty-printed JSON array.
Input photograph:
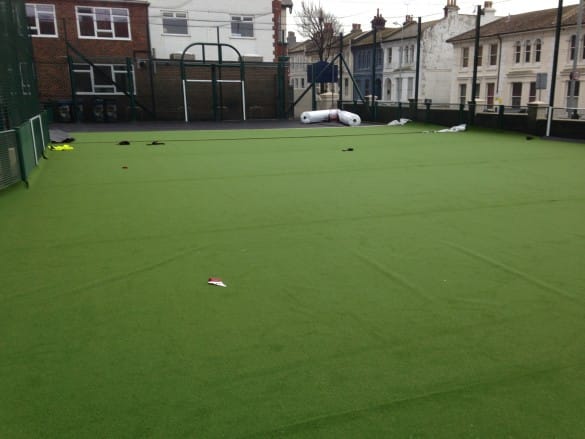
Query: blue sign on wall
[{"x": 323, "y": 72}]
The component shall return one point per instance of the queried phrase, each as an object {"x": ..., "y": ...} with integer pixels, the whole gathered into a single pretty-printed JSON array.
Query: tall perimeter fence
[{"x": 24, "y": 130}]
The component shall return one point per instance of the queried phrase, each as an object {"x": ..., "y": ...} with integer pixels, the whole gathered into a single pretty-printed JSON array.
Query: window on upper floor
[
  {"x": 573, "y": 47},
  {"x": 242, "y": 26},
  {"x": 364, "y": 59},
  {"x": 42, "y": 21},
  {"x": 518, "y": 52},
  {"x": 107, "y": 23},
  {"x": 527, "y": 51},
  {"x": 102, "y": 79},
  {"x": 480, "y": 56},
  {"x": 493, "y": 54},
  {"x": 379, "y": 57},
  {"x": 465, "y": 57},
  {"x": 175, "y": 23},
  {"x": 537, "y": 50},
  {"x": 389, "y": 54},
  {"x": 412, "y": 53}
]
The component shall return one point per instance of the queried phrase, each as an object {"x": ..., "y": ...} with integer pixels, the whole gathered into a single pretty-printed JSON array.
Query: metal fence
[{"x": 23, "y": 127}]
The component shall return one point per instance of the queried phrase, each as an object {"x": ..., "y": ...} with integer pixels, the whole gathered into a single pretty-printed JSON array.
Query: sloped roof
[
  {"x": 367, "y": 38},
  {"x": 411, "y": 30},
  {"x": 297, "y": 47},
  {"x": 526, "y": 22}
]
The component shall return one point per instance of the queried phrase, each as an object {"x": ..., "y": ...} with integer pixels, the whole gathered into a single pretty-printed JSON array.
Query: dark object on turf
[
  {"x": 59, "y": 136},
  {"x": 347, "y": 149},
  {"x": 529, "y": 137},
  {"x": 124, "y": 167},
  {"x": 123, "y": 142},
  {"x": 156, "y": 142}
]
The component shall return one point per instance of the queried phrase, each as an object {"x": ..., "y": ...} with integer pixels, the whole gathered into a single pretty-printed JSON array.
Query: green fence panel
[
  {"x": 28, "y": 152},
  {"x": 9, "y": 159}
]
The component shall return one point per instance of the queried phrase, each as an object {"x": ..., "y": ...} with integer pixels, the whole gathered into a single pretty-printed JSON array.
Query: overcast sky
[{"x": 362, "y": 11}]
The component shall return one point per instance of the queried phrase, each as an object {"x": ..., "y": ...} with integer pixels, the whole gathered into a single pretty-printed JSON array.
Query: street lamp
[{"x": 401, "y": 54}]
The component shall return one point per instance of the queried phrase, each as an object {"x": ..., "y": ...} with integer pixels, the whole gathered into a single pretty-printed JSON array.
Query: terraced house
[{"x": 516, "y": 58}]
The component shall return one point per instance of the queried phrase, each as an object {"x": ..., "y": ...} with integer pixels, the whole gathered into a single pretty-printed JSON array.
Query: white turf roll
[
  {"x": 318, "y": 116},
  {"x": 350, "y": 119},
  {"x": 345, "y": 117}
]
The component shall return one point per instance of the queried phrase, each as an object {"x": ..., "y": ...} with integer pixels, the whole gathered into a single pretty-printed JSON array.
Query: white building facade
[
  {"x": 256, "y": 28},
  {"x": 516, "y": 54},
  {"x": 437, "y": 57}
]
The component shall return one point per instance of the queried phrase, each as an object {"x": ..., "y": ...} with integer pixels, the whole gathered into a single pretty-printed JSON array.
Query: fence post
[
  {"x": 130, "y": 80},
  {"x": 428, "y": 112},
  {"x": 461, "y": 112},
  {"x": 282, "y": 84},
  {"x": 501, "y": 116}
]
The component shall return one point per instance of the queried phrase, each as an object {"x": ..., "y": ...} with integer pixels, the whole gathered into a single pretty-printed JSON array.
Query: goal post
[{"x": 214, "y": 81}]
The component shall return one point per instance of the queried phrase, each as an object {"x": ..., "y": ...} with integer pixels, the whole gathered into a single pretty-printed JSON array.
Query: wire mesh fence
[{"x": 23, "y": 127}]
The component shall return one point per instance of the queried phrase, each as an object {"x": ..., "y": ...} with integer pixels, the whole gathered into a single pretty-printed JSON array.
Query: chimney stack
[
  {"x": 488, "y": 9},
  {"x": 356, "y": 27},
  {"x": 291, "y": 38},
  {"x": 451, "y": 8},
  {"x": 379, "y": 22}
]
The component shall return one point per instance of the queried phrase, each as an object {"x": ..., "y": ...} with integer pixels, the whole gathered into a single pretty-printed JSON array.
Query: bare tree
[{"x": 320, "y": 27}]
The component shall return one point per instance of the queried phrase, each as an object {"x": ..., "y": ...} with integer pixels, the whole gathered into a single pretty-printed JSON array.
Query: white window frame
[
  {"x": 176, "y": 15},
  {"x": 527, "y": 51},
  {"x": 493, "y": 54},
  {"x": 537, "y": 50},
  {"x": 37, "y": 26},
  {"x": 241, "y": 19},
  {"x": 109, "y": 89},
  {"x": 465, "y": 57},
  {"x": 93, "y": 14}
]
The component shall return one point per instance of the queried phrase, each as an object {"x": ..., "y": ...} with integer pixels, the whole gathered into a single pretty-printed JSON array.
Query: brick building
[{"x": 88, "y": 55}]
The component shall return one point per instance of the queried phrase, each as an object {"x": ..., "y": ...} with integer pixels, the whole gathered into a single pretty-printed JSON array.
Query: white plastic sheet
[
  {"x": 454, "y": 129},
  {"x": 399, "y": 122}
]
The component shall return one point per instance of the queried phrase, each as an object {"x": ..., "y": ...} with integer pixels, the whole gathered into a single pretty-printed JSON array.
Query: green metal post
[
  {"x": 428, "y": 112},
  {"x": 281, "y": 102},
  {"x": 214, "y": 92},
  {"x": 340, "y": 100},
  {"x": 74, "y": 114},
  {"x": 501, "y": 116},
  {"x": 313, "y": 91},
  {"x": 130, "y": 80}
]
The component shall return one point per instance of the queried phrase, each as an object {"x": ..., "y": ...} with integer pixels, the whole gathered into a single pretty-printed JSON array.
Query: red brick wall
[{"x": 51, "y": 53}]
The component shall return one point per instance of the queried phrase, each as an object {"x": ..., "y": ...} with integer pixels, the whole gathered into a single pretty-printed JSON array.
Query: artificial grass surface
[{"x": 423, "y": 285}]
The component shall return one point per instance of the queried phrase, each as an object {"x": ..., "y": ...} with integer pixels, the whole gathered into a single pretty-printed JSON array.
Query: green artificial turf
[{"x": 421, "y": 285}]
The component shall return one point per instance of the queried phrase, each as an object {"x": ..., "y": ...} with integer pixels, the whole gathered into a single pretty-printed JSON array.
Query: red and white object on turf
[{"x": 216, "y": 281}]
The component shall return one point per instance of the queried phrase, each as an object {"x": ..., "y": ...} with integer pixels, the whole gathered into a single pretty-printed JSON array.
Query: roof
[
  {"x": 411, "y": 30},
  {"x": 526, "y": 22},
  {"x": 367, "y": 38}
]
